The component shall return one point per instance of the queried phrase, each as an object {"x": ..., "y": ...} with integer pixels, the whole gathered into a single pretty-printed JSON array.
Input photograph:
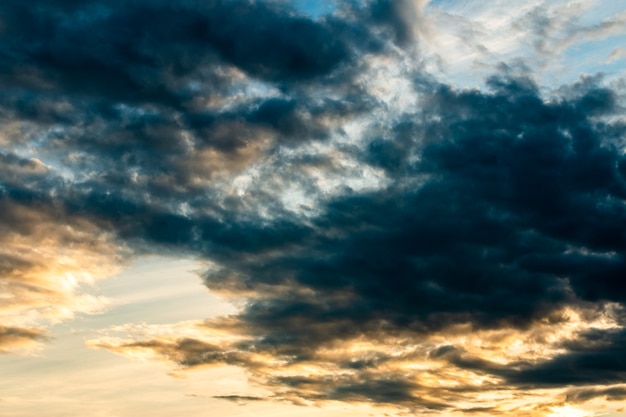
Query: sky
[{"x": 312, "y": 208}]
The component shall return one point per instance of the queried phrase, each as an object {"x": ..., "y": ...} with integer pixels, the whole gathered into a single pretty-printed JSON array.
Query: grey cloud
[
  {"x": 582, "y": 395},
  {"x": 18, "y": 337},
  {"x": 597, "y": 359},
  {"x": 496, "y": 225},
  {"x": 239, "y": 399}
]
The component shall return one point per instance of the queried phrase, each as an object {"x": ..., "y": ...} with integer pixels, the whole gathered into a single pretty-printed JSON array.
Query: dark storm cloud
[
  {"x": 380, "y": 263},
  {"x": 512, "y": 197},
  {"x": 499, "y": 208},
  {"x": 128, "y": 50},
  {"x": 505, "y": 208},
  {"x": 519, "y": 215},
  {"x": 159, "y": 90},
  {"x": 158, "y": 52},
  {"x": 550, "y": 170}
]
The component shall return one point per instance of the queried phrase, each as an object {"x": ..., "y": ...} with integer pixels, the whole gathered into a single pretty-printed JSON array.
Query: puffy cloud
[{"x": 487, "y": 261}]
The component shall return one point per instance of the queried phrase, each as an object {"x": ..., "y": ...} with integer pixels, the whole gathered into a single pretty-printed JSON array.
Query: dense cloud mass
[{"x": 467, "y": 241}]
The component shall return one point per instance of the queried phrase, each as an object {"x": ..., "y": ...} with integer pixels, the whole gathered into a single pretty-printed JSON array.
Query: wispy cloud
[
  {"x": 12, "y": 338},
  {"x": 546, "y": 37},
  {"x": 616, "y": 54}
]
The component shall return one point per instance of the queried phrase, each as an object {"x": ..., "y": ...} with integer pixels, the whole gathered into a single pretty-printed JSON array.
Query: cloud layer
[{"x": 389, "y": 238}]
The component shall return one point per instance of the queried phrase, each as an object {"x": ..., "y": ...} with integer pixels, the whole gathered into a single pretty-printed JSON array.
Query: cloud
[
  {"x": 616, "y": 393},
  {"x": 616, "y": 54},
  {"x": 484, "y": 206},
  {"x": 171, "y": 42},
  {"x": 595, "y": 359},
  {"x": 491, "y": 224},
  {"x": 48, "y": 258},
  {"x": 453, "y": 369},
  {"x": 556, "y": 29},
  {"x": 418, "y": 245},
  {"x": 239, "y": 399},
  {"x": 554, "y": 40},
  {"x": 12, "y": 338}
]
